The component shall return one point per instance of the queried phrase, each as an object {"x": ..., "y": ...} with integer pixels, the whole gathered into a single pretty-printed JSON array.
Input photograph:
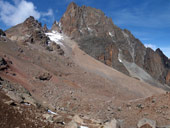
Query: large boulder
[
  {"x": 112, "y": 124},
  {"x": 146, "y": 123}
]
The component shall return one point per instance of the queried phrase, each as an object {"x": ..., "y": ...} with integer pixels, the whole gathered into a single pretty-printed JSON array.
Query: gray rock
[
  {"x": 112, "y": 124},
  {"x": 146, "y": 123},
  {"x": 71, "y": 124}
]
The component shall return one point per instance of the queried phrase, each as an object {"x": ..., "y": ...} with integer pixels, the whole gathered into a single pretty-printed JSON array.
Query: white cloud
[
  {"x": 12, "y": 14},
  {"x": 150, "y": 46},
  {"x": 165, "y": 50},
  {"x": 49, "y": 13}
]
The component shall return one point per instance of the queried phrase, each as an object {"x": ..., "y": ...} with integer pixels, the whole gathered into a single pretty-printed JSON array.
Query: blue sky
[{"x": 148, "y": 20}]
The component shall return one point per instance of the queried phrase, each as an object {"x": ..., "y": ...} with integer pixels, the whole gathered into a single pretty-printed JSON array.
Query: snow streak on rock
[{"x": 56, "y": 37}]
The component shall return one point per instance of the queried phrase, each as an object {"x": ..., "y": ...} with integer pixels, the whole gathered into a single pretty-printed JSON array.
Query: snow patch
[
  {"x": 49, "y": 111},
  {"x": 89, "y": 29},
  {"x": 120, "y": 56},
  {"x": 150, "y": 46},
  {"x": 83, "y": 127},
  {"x": 111, "y": 34},
  {"x": 120, "y": 60},
  {"x": 56, "y": 37}
]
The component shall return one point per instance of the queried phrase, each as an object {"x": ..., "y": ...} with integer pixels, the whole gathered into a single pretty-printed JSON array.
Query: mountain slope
[
  {"x": 77, "y": 72},
  {"x": 48, "y": 69}
]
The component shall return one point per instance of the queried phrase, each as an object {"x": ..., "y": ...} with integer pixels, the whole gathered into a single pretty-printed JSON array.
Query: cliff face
[{"x": 97, "y": 35}]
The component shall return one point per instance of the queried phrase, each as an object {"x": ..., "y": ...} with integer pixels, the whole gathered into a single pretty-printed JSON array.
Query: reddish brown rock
[{"x": 168, "y": 78}]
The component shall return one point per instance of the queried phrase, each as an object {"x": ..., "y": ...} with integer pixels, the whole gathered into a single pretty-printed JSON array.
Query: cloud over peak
[{"x": 12, "y": 14}]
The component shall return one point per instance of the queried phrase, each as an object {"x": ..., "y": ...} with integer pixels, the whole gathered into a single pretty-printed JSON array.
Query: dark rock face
[
  {"x": 3, "y": 64},
  {"x": 2, "y": 33},
  {"x": 99, "y": 37},
  {"x": 154, "y": 66},
  {"x": 45, "y": 29},
  {"x": 29, "y": 31}
]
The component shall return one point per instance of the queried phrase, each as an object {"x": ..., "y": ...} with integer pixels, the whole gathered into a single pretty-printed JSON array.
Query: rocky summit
[
  {"x": 99, "y": 37},
  {"x": 83, "y": 72}
]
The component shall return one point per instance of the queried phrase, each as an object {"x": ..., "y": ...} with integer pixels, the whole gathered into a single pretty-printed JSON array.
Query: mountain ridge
[{"x": 84, "y": 72}]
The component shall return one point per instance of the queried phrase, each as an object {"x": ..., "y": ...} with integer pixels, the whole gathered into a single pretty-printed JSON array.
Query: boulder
[
  {"x": 112, "y": 124},
  {"x": 44, "y": 76},
  {"x": 146, "y": 123},
  {"x": 71, "y": 124},
  {"x": 77, "y": 119}
]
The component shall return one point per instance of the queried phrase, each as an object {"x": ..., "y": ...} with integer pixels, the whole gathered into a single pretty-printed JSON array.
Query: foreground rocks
[
  {"x": 146, "y": 123},
  {"x": 112, "y": 124}
]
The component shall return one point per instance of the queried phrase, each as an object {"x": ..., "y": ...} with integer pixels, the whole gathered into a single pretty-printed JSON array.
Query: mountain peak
[
  {"x": 72, "y": 5},
  {"x": 32, "y": 22}
]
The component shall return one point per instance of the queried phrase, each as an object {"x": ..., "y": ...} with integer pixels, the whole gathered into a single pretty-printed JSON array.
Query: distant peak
[
  {"x": 158, "y": 50},
  {"x": 45, "y": 28},
  {"x": 55, "y": 22}
]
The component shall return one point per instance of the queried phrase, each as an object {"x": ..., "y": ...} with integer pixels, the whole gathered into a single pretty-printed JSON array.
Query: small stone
[
  {"x": 153, "y": 100},
  {"x": 44, "y": 76},
  {"x": 119, "y": 109},
  {"x": 140, "y": 106},
  {"x": 48, "y": 117}
]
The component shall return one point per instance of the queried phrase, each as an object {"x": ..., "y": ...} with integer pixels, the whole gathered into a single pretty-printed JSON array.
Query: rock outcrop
[
  {"x": 56, "y": 27},
  {"x": 98, "y": 36},
  {"x": 146, "y": 123},
  {"x": 30, "y": 31},
  {"x": 3, "y": 64},
  {"x": 2, "y": 33}
]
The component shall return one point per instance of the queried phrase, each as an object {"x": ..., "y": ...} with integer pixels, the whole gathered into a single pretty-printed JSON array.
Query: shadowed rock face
[
  {"x": 2, "y": 33},
  {"x": 99, "y": 37},
  {"x": 3, "y": 64}
]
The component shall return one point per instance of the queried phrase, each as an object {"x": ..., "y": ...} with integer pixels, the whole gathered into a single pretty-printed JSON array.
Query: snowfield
[{"x": 55, "y": 37}]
